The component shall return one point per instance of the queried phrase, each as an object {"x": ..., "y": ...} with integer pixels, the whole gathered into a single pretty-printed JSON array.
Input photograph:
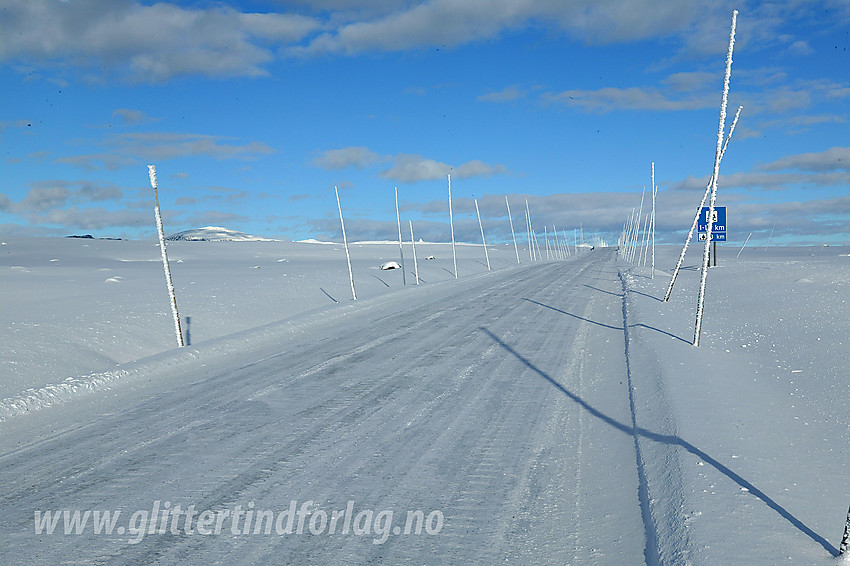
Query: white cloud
[
  {"x": 405, "y": 168},
  {"x": 157, "y": 41},
  {"x": 632, "y": 98},
  {"x": 800, "y": 47},
  {"x": 833, "y": 159},
  {"x": 450, "y": 23},
  {"x": 152, "y": 42},
  {"x": 507, "y": 94},
  {"x": 48, "y": 195},
  {"x": 412, "y": 168},
  {"x": 130, "y": 149},
  {"x": 91, "y": 218},
  {"x": 345, "y": 157},
  {"x": 131, "y": 117}
]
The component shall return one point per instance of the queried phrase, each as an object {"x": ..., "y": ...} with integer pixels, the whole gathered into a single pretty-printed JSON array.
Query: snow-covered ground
[
  {"x": 553, "y": 412},
  {"x": 75, "y": 306}
]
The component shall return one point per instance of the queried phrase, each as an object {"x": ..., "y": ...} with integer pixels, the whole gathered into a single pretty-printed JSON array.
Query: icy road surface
[{"x": 501, "y": 401}]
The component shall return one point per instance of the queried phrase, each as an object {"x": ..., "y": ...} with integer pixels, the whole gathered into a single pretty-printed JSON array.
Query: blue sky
[{"x": 254, "y": 111}]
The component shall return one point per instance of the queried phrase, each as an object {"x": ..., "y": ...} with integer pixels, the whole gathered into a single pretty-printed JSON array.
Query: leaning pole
[
  {"x": 177, "y": 330},
  {"x": 721, "y": 128},
  {"x": 699, "y": 209}
]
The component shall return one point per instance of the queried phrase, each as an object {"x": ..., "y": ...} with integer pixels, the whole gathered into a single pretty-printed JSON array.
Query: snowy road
[{"x": 500, "y": 401}]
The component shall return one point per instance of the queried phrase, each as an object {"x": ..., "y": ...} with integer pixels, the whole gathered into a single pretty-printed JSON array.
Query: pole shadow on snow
[
  {"x": 381, "y": 280},
  {"x": 669, "y": 440},
  {"x": 643, "y": 294},
  {"x": 670, "y": 334},
  {"x": 603, "y": 291},
  {"x": 328, "y": 295},
  {"x": 575, "y": 315},
  {"x": 607, "y": 325}
]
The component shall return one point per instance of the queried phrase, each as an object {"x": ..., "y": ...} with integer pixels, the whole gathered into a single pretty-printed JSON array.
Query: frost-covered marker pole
[
  {"x": 770, "y": 237},
  {"x": 644, "y": 242},
  {"x": 652, "y": 220},
  {"x": 636, "y": 234},
  {"x": 452, "y": 223},
  {"x": 513, "y": 234},
  {"x": 400, "y": 249},
  {"x": 528, "y": 231},
  {"x": 413, "y": 243},
  {"x": 845, "y": 540},
  {"x": 721, "y": 129},
  {"x": 345, "y": 243},
  {"x": 699, "y": 211},
  {"x": 165, "y": 266},
  {"x": 744, "y": 246},
  {"x": 483, "y": 241}
]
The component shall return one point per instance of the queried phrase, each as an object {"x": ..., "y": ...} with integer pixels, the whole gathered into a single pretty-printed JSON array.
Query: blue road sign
[{"x": 718, "y": 226}]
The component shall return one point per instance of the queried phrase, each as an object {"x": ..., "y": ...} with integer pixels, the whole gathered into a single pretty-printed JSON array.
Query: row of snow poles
[
  {"x": 634, "y": 245},
  {"x": 556, "y": 248},
  {"x": 559, "y": 249}
]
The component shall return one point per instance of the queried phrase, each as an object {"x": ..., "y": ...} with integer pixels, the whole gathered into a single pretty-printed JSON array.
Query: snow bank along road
[{"x": 500, "y": 406}]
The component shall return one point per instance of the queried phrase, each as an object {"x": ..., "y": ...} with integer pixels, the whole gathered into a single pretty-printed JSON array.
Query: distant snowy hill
[{"x": 215, "y": 234}]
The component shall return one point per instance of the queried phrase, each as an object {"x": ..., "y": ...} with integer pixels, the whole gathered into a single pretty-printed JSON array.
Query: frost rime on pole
[
  {"x": 528, "y": 232},
  {"x": 652, "y": 220},
  {"x": 532, "y": 238},
  {"x": 559, "y": 253},
  {"x": 345, "y": 243},
  {"x": 452, "y": 223},
  {"x": 721, "y": 128},
  {"x": 770, "y": 237},
  {"x": 513, "y": 234},
  {"x": 483, "y": 241},
  {"x": 400, "y": 249},
  {"x": 165, "y": 266},
  {"x": 636, "y": 235},
  {"x": 845, "y": 540},
  {"x": 413, "y": 243},
  {"x": 744, "y": 246},
  {"x": 699, "y": 209}
]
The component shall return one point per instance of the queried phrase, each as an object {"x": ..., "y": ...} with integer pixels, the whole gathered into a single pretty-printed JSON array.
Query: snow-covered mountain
[{"x": 215, "y": 234}]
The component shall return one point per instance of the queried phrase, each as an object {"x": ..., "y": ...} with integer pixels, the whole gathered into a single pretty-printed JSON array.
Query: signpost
[
  {"x": 718, "y": 224},
  {"x": 718, "y": 227}
]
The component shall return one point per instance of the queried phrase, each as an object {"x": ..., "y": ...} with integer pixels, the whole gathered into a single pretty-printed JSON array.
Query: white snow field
[{"x": 546, "y": 413}]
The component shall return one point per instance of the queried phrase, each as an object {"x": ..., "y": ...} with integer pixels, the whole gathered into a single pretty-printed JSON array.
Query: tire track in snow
[
  {"x": 650, "y": 551},
  {"x": 660, "y": 478}
]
